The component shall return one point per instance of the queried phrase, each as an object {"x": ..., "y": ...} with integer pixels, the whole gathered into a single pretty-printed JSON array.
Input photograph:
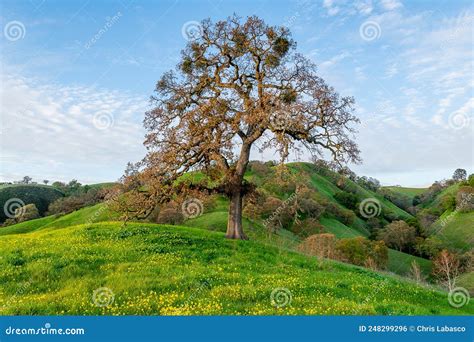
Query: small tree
[
  {"x": 237, "y": 83},
  {"x": 415, "y": 272},
  {"x": 45, "y": 181},
  {"x": 321, "y": 245},
  {"x": 398, "y": 234},
  {"x": 26, "y": 180},
  {"x": 459, "y": 175},
  {"x": 447, "y": 268}
]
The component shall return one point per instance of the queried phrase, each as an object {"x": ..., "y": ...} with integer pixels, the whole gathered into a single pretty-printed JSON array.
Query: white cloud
[
  {"x": 391, "y": 5},
  {"x": 51, "y": 126}
]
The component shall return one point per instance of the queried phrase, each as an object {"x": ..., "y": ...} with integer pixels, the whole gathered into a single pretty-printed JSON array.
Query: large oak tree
[{"x": 239, "y": 83}]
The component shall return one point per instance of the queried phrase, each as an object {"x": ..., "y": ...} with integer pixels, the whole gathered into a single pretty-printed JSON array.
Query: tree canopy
[{"x": 238, "y": 83}]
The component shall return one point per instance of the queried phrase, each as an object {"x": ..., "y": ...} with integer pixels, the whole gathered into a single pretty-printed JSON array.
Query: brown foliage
[
  {"x": 447, "y": 268},
  {"x": 398, "y": 234},
  {"x": 239, "y": 82},
  {"x": 321, "y": 245}
]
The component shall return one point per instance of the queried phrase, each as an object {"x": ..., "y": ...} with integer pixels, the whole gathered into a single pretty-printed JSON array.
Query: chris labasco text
[{"x": 439, "y": 328}]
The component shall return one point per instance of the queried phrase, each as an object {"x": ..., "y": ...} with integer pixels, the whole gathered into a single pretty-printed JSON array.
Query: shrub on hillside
[
  {"x": 320, "y": 245},
  {"x": 465, "y": 199},
  {"x": 39, "y": 195},
  {"x": 66, "y": 205},
  {"x": 170, "y": 214},
  {"x": 398, "y": 235},
  {"x": 307, "y": 202},
  {"x": 426, "y": 219},
  {"x": 470, "y": 180},
  {"x": 347, "y": 199},
  {"x": 363, "y": 252},
  {"x": 22, "y": 214},
  {"x": 344, "y": 215}
]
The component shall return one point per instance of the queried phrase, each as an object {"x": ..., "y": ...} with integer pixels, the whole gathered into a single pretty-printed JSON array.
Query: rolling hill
[
  {"x": 53, "y": 264},
  {"x": 151, "y": 269}
]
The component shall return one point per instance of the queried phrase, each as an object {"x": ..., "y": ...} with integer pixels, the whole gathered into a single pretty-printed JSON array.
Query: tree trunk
[{"x": 234, "y": 222}]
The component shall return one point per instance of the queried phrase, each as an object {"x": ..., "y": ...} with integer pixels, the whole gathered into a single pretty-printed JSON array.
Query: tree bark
[{"x": 234, "y": 222}]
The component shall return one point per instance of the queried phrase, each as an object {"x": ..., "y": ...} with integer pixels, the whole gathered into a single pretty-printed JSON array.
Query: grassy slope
[
  {"x": 97, "y": 213},
  {"x": 410, "y": 192},
  {"x": 454, "y": 228},
  {"x": 164, "y": 270}
]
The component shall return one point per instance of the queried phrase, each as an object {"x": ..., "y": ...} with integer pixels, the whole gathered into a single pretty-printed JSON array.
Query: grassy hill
[
  {"x": 53, "y": 264},
  {"x": 167, "y": 270},
  {"x": 456, "y": 229},
  {"x": 14, "y": 195},
  {"x": 410, "y": 192}
]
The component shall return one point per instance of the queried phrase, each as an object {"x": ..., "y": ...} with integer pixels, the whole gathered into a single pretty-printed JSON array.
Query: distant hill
[
  {"x": 14, "y": 195},
  {"x": 410, "y": 192}
]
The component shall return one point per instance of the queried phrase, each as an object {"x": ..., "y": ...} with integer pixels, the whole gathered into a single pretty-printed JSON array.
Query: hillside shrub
[
  {"x": 66, "y": 205},
  {"x": 363, "y": 252},
  {"x": 398, "y": 235},
  {"x": 346, "y": 216},
  {"x": 320, "y": 245},
  {"x": 347, "y": 199},
  {"x": 465, "y": 199}
]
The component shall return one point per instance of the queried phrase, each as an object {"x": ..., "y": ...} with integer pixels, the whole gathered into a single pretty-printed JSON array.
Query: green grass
[
  {"x": 410, "y": 192},
  {"x": 456, "y": 229},
  {"x": 400, "y": 263},
  {"x": 97, "y": 213},
  {"x": 170, "y": 270},
  {"x": 467, "y": 281},
  {"x": 337, "y": 228}
]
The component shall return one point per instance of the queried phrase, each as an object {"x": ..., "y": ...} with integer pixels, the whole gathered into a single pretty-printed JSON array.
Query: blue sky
[{"x": 76, "y": 77}]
